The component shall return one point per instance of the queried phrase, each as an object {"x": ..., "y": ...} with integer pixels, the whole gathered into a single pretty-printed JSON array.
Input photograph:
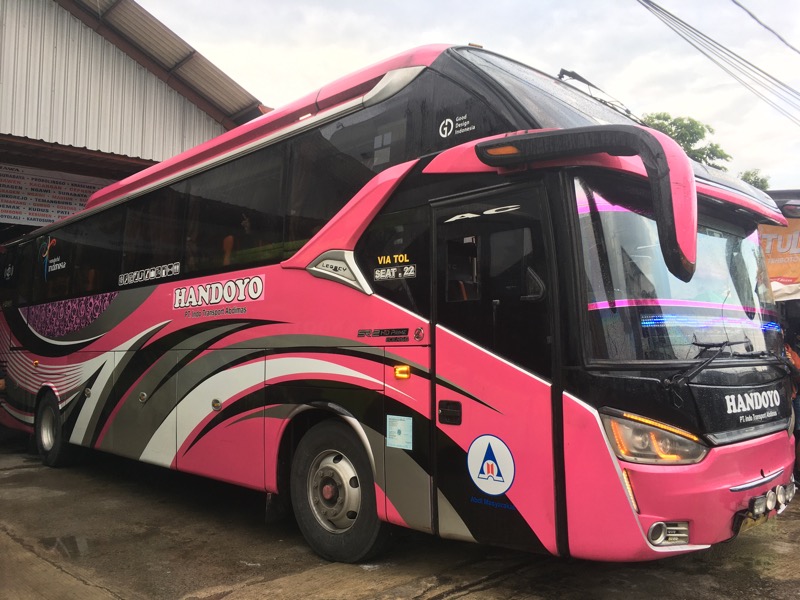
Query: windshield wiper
[
  {"x": 785, "y": 361},
  {"x": 721, "y": 345},
  {"x": 756, "y": 354},
  {"x": 613, "y": 104},
  {"x": 683, "y": 377}
]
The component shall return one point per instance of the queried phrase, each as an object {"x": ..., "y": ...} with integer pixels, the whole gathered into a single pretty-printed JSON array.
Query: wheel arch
[
  {"x": 300, "y": 422},
  {"x": 44, "y": 391}
]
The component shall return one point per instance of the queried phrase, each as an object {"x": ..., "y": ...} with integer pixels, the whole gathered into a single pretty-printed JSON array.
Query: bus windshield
[
  {"x": 637, "y": 310},
  {"x": 552, "y": 103}
]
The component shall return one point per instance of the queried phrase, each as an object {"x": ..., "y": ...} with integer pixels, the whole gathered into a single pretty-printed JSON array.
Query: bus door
[{"x": 493, "y": 363}]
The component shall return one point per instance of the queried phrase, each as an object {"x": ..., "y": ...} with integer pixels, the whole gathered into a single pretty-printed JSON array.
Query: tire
[
  {"x": 333, "y": 495},
  {"x": 54, "y": 449}
]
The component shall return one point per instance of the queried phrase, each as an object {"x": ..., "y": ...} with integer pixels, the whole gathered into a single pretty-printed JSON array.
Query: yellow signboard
[{"x": 781, "y": 247}]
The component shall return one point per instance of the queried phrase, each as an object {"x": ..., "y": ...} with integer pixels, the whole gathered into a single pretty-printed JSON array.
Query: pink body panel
[
  {"x": 515, "y": 407},
  {"x": 6, "y": 420},
  {"x": 222, "y": 453},
  {"x": 598, "y": 508}
]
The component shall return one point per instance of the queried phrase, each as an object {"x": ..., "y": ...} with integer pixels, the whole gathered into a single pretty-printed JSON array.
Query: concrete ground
[{"x": 111, "y": 528}]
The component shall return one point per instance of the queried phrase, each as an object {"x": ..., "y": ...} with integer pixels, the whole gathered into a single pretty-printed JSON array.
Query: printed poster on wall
[
  {"x": 781, "y": 247},
  {"x": 37, "y": 197}
]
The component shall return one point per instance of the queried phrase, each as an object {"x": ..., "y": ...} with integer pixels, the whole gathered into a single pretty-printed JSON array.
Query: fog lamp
[
  {"x": 657, "y": 533},
  {"x": 758, "y": 506},
  {"x": 791, "y": 489},
  {"x": 772, "y": 500},
  {"x": 780, "y": 492}
]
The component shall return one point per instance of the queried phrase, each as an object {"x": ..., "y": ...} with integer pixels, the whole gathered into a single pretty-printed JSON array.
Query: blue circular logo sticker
[{"x": 490, "y": 465}]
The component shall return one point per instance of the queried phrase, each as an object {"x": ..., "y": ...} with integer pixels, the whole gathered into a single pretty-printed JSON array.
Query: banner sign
[
  {"x": 37, "y": 197},
  {"x": 781, "y": 247}
]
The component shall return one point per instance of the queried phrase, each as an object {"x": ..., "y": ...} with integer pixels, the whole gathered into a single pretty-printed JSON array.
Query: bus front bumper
[{"x": 622, "y": 511}]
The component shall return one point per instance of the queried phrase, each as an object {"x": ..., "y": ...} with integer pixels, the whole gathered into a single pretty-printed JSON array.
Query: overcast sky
[{"x": 279, "y": 51}]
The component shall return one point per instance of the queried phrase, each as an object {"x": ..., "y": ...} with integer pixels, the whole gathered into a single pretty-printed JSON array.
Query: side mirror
[{"x": 668, "y": 170}]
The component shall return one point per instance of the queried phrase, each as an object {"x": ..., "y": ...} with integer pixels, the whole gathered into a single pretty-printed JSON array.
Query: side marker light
[
  {"x": 629, "y": 489},
  {"x": 503, "y": 151}
]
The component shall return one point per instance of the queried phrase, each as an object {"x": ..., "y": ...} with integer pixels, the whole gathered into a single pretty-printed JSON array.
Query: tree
[
  {"x": 755, "y": 178},
  {"x": 689, "y": 133}
]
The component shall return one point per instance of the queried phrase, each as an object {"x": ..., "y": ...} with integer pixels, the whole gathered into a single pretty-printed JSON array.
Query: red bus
[{"x": 447, "y": 293}]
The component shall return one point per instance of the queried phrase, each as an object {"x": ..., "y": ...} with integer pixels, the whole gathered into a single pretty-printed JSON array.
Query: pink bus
[{"x": 447, "y": 293}]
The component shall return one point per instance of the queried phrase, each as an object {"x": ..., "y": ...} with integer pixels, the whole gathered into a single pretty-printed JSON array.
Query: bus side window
[
  {"x": 10, "y": 276},
  {"x": 24, "y": 269},
  {"x": 153, "y": 230},
  {"x": 394, "y": 256},
  {"x": 324, "y": 177},
  {"x": 97, "y": 245},
  {"x": 234, "y": 213},
  {"x": 52, "y": 274}
]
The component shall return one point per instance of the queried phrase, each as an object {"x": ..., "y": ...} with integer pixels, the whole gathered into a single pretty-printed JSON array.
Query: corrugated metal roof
[
  {"x": 181, "y": 63},
  {"x": 61, "y": 82}
]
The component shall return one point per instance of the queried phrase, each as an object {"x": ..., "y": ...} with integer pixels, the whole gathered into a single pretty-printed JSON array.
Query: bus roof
[{"x": 342, "y": 90}]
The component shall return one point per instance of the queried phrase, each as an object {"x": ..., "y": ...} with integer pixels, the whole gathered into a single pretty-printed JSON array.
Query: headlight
[{"x": 642, "y": 440}]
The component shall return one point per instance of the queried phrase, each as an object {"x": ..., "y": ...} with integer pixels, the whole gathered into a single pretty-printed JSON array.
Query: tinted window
[
  {"x": 234, "y": 216},
  {"x": 324, "y": 177},
  {"x": 394, "y": 255},
  {"x": 451, "y": 116},
  {"x": 52, "y": 273},
  {"x": 79, "y": 259},
  {"x": 332, "y": 164},
  {"x": 154, "y": 230},
  {"x": 97, "y": 252},
  {"x": 552, "y": 103},
  {"x": 9, "y": 275},
  {"x": 27, "y": 267},
  {"x": 493, "y": 276}
]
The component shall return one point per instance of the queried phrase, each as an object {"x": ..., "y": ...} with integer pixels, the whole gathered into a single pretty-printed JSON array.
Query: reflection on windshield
[
  {"x": 639, "y": 311},
  {"x": 551, "y": 102}
]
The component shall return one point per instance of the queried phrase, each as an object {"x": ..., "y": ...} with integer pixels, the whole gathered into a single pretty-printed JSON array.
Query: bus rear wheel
[
  {"x": 54, "y": 449},
  {"x": 333, "y": 495}
]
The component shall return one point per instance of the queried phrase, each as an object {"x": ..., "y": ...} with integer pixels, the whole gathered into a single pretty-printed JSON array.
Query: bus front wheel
[
  {"x": 54, "y": 450},
  {"x": 333, "y": 495}
]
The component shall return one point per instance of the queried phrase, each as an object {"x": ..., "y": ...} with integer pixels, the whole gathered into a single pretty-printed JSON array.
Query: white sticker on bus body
[
  {"x": 492, "y": 211},
  {"x": 491, "y": 465}
]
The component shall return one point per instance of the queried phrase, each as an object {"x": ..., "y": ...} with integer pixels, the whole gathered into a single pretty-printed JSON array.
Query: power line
[
  {"x": 764, "y": 25},
  {"x": 771, "y": 90}
]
